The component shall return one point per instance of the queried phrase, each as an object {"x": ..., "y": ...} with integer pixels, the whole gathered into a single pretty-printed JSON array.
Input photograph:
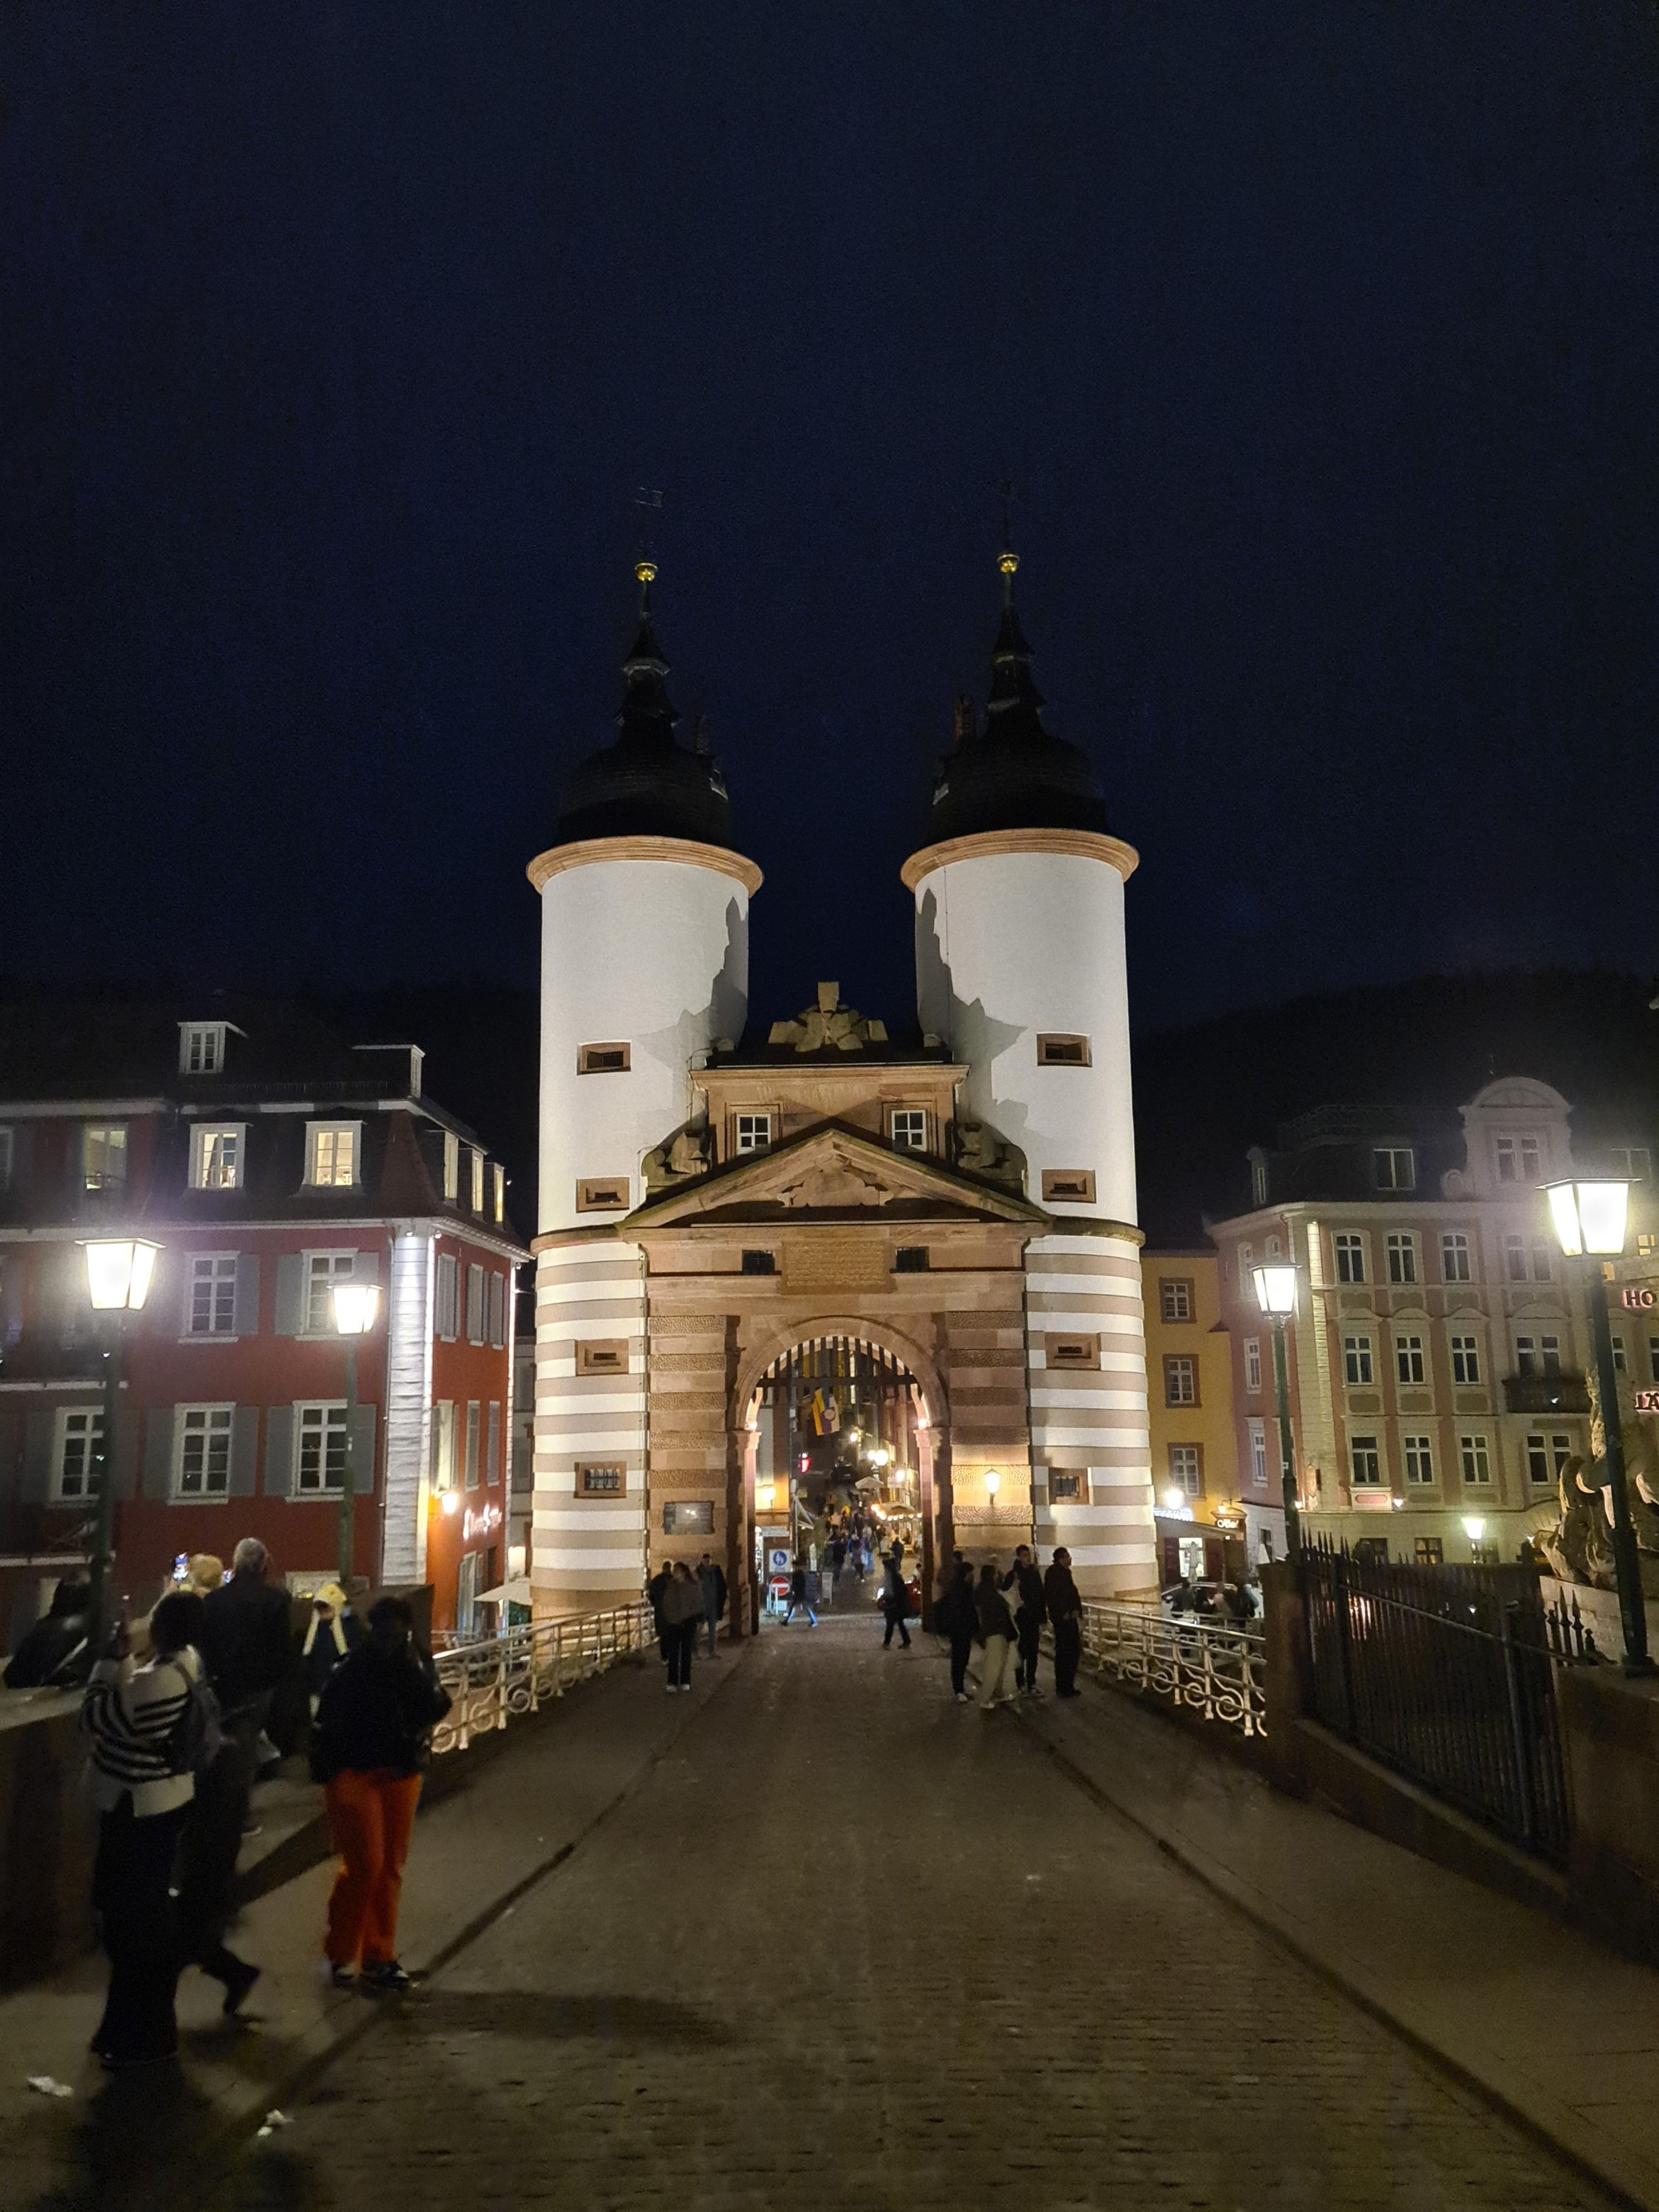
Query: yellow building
[{"x": 1189, "y": 1402}]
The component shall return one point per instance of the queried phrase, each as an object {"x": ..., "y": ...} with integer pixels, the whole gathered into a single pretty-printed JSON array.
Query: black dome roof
[
  {"x": 1013, "y": 775},
  {"x": 647, "y": 784}
]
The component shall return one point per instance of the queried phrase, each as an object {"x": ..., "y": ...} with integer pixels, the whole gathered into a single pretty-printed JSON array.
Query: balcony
[{"x": 1544, "y": 1394}]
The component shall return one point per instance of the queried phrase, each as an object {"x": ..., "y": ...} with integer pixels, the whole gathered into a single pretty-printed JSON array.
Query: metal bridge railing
[
  {"x": 1215, "y": 1669},
  {"x": 491, "y": 1680}
]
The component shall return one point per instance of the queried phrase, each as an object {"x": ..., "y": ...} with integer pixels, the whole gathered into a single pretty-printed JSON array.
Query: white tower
[
  {"x": 645, "y": 963},
  {"x": 1020, "y": 967}
]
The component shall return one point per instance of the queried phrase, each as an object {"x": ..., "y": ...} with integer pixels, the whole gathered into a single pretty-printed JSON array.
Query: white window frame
[
  {"x": 451, "y": 1168},
  {"x": 316, "y": 1416},
  {"x": 752, "y": 1131},
  {"x": 1515, "y": 1258},
  {"x": 446, "y": 1298},
  {"x": 215, "y": 1270},
  {"x": 1539, "y": 1459},
  {"x": 1418, "y": 1452},
  {"x": 213, "y": 1421},
  {"x": 1246, "y": 1262},
  {"x": 478, "y": 1181},
  {"x": 1174, "y": 1292},
  {"x": 1253, "y": 1365},
  {"x": 1186, "y": 1469},
  {"x": 218, "y": 1152},
  {"x": 1391, "y": 1177},
  {"x": 443, "y": 1446},
  {"x": 86, "y": 1424},
  {"x": 1376, "y": 1478},
  {"x": 1634, "y": 1163},
  {"x": 1258, "y": 1432},
  {"x": 1410, "y": 1362},
  {"x": 1475, "y": 1459},
  {"x": 1402, "y": 1251},
  {"x": 316, "y": 1277},
  {"x": 321, "y": 1136},
  {"x": 1185, "y": 1366},
  {"x": 113, "y": 1136},
  {"x": 1519, "y": 1161},
  {"x": 201, "y": 1048},
  {"x": 500, "y": 1174},
  {"x": 907, "y": 1128},
  {"x": 1359, "y": 1362},
  {"x": 1465, "y": 1354},
  {"x": 1456, "y": 1257},
  {"x": 1259, "y": 1182},
  {"x": 1348, "y": 1254}
]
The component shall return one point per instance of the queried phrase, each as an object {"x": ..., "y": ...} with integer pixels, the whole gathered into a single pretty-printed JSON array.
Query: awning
[{"x": 516, "y": 1592}]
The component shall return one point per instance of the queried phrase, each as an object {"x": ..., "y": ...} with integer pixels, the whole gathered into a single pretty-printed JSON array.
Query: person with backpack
[
  {"x": 370, "y": 1742},
  {"x": 954, "y": 1617},
  {"x": 150, "y": 1727}
]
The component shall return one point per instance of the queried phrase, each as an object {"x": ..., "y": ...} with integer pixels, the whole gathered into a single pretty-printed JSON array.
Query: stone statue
[
  {"x": 684, "y": 1155},
  {"x": 829, "y": 1025},
  {"x": 1579, "y": 1548},
  {"x": 978, "y": 1149}
]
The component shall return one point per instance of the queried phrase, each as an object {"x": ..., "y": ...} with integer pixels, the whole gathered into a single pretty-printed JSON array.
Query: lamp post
[
  {"x": 356, "y": 1305},
  {"x": 1275, "y": 1293},
  {"x": 1589, "y": 1220},
  {"x": 119, "y": 1271}
]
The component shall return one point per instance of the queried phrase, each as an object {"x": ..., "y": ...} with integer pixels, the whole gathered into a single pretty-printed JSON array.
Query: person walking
[
  {"x": 141, "y": 1721},
  {"x": 996, "y": 1633},
  {"x": 656, "y": 1590},
  {"x": 895, "y": 1597},
  {"x": 712, "y": 1583},
  {"x": 1064, "y": 1607},
  {"x": 371, "y": 1741},
  {"x": 954, "y": 1618},
  {"x": 797, "y": 1596},
  {"x": 1030, "y": 1613},
  {"x": 682, "y": 1609},
  {"x": 332, "y": 1632}
]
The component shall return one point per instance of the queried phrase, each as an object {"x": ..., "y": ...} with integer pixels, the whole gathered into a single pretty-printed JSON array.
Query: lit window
[
  {"x": 1429, "y": 1551},
  {"x": 500, "y": 1174},
  {"x": 753, "y": 1132},
  {"x": 1259, "y": 1452},
  {"x": 204, "y": 1449},
  {"x": 472, "y": 1429},
  {"x": 478, "y": 1181},
  {"x": 1356, "y": 1360},
  {"x": 474, "y": 1305},
  {"x": 1409, "y": 1359},
  {"x": 1349, "y": 1257},
  {"x": 1394, "y": 1168},
  {"x": 201, "y": 1048},
  {"x": 332, "y": 1154},
  {"x": 1454, "y": 1257},
  {"x": 212, "y": 1310},
  {"x": 215, "y": 1156},
  {"x": 451, "y": 1167},
  {"x": 1402, "y": 1257},
  {"x": 1186, "y": 1468},
  {"x": 320, "y": 1445},
  {"x": 1366, "y": 1462},
  {"x": 1419, "y": 1460},
  {"x": 1174, "y": 1297},
  {"x": 1466, "y": 1360},
  {"x": 910, "y": 1129},
  {"x": 1252, "y": 1363},
  {"x": 1471, "y": 1453},
  {"x": 104, "y": 1156},
  {"x": 79, "y": 1438},
  {"x": 322, "y": 1271},
  {"x": 1180, "y": 1379}
]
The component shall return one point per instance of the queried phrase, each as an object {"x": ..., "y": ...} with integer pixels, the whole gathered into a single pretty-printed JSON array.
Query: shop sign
[
  {"x": 1638, "y": 1297},
  {"x": 1647, "y": 1401},
  {"x": 480, "y": 1521}
]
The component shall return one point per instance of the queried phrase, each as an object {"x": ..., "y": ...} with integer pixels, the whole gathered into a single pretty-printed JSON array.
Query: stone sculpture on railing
[{"x": 1579, "y": 1547}]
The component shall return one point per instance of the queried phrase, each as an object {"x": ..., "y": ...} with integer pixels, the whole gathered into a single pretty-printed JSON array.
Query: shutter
[
  {"x": 161, "y": 1438},
  {"x": 39, "y": 1429},
  {"x": 493, "y": 1465},
  {"x": 244, "y": 1445},
  {"x": 290, "y": 1293},
  {"x": 366, "y": 1268},
  {"x": 126, "y": 1451},
  {"x": 362, "y": 1453},
  {"x": 279, "y": 1451},
  {"x": 247, "y": 1294}
]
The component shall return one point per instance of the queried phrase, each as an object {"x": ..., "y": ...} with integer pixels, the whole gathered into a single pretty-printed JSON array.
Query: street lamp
[
  {"x": 1589, "y": 1220},
  {"x": 356, "y": 1305},
  {"x": 1275, "y": 1293},
  {"x": 119, "y": 1271}
]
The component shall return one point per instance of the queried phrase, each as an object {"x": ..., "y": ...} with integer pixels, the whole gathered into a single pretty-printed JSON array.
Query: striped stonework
[
  {"x": 981, "y": 1336},
  {"x": 1092, "y": 1421},
  {"x": 588, "y": 1553}
]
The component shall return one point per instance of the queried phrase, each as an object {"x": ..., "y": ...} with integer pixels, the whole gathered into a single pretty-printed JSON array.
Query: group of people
[
  {"x": 683, "y": 1600},
  {"x": 177, "y": 1735},
  {"x": 1004, "y": 1616}
]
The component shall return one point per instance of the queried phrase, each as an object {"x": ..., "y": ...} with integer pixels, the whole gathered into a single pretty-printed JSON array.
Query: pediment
[{"x": 833, "y": 1172}]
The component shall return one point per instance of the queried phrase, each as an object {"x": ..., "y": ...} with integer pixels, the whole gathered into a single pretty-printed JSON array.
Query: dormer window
[
  {"x": 501, "y": 1194},
  {"x": 752, "y": 1133},
  {"x": 104, "y": 1156},
  {"x": 216, "y": 1154},
  {"x": 1520, "y": 1159},
  {"x": 332, "y": 1154},
  {"x": 478, "y": 1180},
  {"x": 201, "y": 1048},
  {"x": 909, "y": 1128},
  {"x": 1393, "y": 1167},
  {"x": 451, "y": 1168}
]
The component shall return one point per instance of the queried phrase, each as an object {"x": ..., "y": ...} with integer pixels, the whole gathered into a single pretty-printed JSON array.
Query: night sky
[{"x": 1319, "y": 341}]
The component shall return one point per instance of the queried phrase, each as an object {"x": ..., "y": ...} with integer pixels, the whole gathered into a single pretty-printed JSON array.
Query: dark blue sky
[{"x": 1321, "y": 341}]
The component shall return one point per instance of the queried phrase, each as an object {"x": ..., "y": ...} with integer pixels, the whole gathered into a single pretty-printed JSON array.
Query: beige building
[{"x": 1201, "y": 1521}]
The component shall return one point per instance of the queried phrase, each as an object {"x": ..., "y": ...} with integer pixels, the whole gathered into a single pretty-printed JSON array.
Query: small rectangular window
[
  {"x": 910, "y": 1260},
  {"x": 597, "y": 1480},
  {"x": 690, "y": 1516},
  {"x": 1428, "y": 1551},
  {"x": 603, "y": 1059},
  {"x": 1402, "y": 1257},
  {"x": 79, "y": 1439},
  {"x": 1174, "y": 1297},
  {"x": 1560, "y": 1453},
  {"x": 1069, "y": 1186},
  {"x": 498, "y": 1312},
  {"x": 1252, "y": 1363},
  {"x": 760, "y": 1263},
  {"x": 500, "y": 1174},
  {"x": 1455, "y": 1266},
  {"x": 332, "y": 1154},
  {"x": 1419, "y": 1460},
  {"x": 1349, "y": 1257},
  {"x": 1063, "y": 1488},
  {"x": 1258, "y": 1453},
  {"x": 1186, "y": 1469},
  {"x": 1068, "y": 1351},
  {"x": 751, "y": 1133},
  {"x": 909, "y": 1128},
  {"x": 1466, "y": 1360},
  {"x": 320, "y": 1444},
  {"x": 1618, "y": 1353},
  {"x": 492, "y": 1446},
  {"x": 1408, "y": 1359},
  {"x": 1393, "y": 1167},
  {"x": 1515, "y": 1258},
  {"x": 1062, "y": 1050},
  {"x": 104, "y": 1156},
  {"x": 215, "y": 1156},
  {"x": 446, "y": 1303},
  {"x": 203, "y": 1448},
  {"x": 602, "y": 1355},
  {"x": 602, "y": 1194},
  {"x": 1472, "y": 1451},
  {"x": 1357, "y": 1360},
  {"x": 201, "y": 1048},
  {"x": 474, "y": 1424},
  {"x": 478, "y": 1181},
  {"x": 1538, "y": 1461},
  {"x": 1180, "y": 1379},
  {"x": 474, "y": 1305},
  {"x": 1366, "y": 1462},
  {"x": 451, "y": 1168},
  {"x": 212, "y": 1308}
]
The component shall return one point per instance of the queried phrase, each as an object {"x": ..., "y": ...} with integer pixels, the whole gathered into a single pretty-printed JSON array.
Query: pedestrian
[
  {"x": 59, "y": 1648},
  {"x": 1066, "y": 1612},
  {"x": 797, "y": 1596},
  {"x": 247, "y": 1647},
  {"x": 954, "y": 1617},
  {"x": 656, "y": 1589},
  {"x": 147, "y": 1726},
  {"x": 996, "y": 1633},
  {"x": 712, "y": 1583},
  {"x": 1030, "y": 1613},
  {"x": 682, "y": 1609},
  {"x": 332, "y": 1632},
  {"x": 371, "y": 1739},
  {"x": 895, "y": 1597}
]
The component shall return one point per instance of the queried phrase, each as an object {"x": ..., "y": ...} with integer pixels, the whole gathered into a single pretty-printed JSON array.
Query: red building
[{"x": 268, "y": 1161}]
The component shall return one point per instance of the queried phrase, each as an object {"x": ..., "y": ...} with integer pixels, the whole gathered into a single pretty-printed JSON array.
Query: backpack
[{"x": 198, "y": 1736}]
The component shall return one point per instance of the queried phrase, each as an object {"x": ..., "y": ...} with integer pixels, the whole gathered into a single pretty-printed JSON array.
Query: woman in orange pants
[{"x": 371, "y": 1739}]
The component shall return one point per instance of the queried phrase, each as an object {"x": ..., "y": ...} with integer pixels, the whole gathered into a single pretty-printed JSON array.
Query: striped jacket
[{"x": 129, "y": 1712}]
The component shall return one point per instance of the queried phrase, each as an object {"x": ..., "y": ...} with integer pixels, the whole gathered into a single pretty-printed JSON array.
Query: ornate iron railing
[
  {"x": 490, "y": 1681},
  {"x": 1214, "y": 1668}
]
